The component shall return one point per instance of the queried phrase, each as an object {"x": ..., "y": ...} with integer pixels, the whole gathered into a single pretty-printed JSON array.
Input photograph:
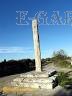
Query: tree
[
  {"x": 60, "y": 55},
  {"x": 60, "y": 58}
]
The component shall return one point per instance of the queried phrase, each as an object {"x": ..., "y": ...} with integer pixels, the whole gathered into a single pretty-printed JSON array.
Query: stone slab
[
  {"x": 36, "y": 80},
  {"x": 39, "y": 74},
  {"x": 34, "y": 85}
]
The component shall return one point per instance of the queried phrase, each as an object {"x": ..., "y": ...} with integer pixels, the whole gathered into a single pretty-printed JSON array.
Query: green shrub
[{"x": 63, "y": 79}]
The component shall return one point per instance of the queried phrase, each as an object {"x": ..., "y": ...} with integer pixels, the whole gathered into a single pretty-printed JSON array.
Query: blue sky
[{"x": 16, "y": 41}]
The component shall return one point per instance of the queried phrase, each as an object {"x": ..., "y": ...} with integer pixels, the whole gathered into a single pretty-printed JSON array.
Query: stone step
[
  {"x": 43, "y": 80},
  {"x": 34, "y": 85},
  {"x": 36, "y": 79},
  {"x": 18, "y": 79},
  {"x": 34, "y": 74}
]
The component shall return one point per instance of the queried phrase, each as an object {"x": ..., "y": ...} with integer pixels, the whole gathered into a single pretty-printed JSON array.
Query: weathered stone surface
[
  {"x": 35, "y": 85},
  {"x": 34, "y": 74},
  {"x": 19, "y": 79},
  {"x": 48, "y": 85},
  {"x": 48, "y": 73},
  {"x": 36, "y": 45},
  {"x": 71, "y": 60},
  {"x": 35, "y": 80}
]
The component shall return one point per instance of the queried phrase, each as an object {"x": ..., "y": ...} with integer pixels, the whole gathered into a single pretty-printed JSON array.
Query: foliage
[
  {"x": 64, "y": 63},
  {"x": 16, "y": 66},
  {"x": 61, "y": 59},
  {"x": 60, "y": 55},
  {"x": 63, "y": 79}
]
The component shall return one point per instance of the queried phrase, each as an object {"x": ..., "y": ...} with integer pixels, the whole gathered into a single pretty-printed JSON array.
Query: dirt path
[
  {"x": 6, "y": 79},
  {"x": 59, "y": 69}
]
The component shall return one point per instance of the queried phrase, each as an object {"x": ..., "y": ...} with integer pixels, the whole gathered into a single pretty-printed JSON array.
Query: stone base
[{"x": 35, "y": 80}]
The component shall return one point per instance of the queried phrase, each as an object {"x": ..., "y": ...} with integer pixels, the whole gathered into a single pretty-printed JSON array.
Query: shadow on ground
[{"x": 64, "y": 92}]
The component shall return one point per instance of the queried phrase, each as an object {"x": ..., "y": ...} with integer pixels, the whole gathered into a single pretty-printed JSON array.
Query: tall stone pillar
[
  {"x": 71, "y": 60},
  {"x": 38, "y": 79},
  {"x": 36, "y": 45}
]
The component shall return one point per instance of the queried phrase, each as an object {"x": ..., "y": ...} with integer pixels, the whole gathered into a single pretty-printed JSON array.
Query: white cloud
[{"x": 15, "y": 49}]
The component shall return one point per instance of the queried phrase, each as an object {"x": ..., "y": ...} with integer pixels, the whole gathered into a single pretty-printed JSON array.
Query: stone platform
[{"x": 34, "y": 79}]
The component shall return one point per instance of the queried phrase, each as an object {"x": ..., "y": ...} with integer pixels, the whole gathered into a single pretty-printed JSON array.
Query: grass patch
[{"x": 64, "y": 64}]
